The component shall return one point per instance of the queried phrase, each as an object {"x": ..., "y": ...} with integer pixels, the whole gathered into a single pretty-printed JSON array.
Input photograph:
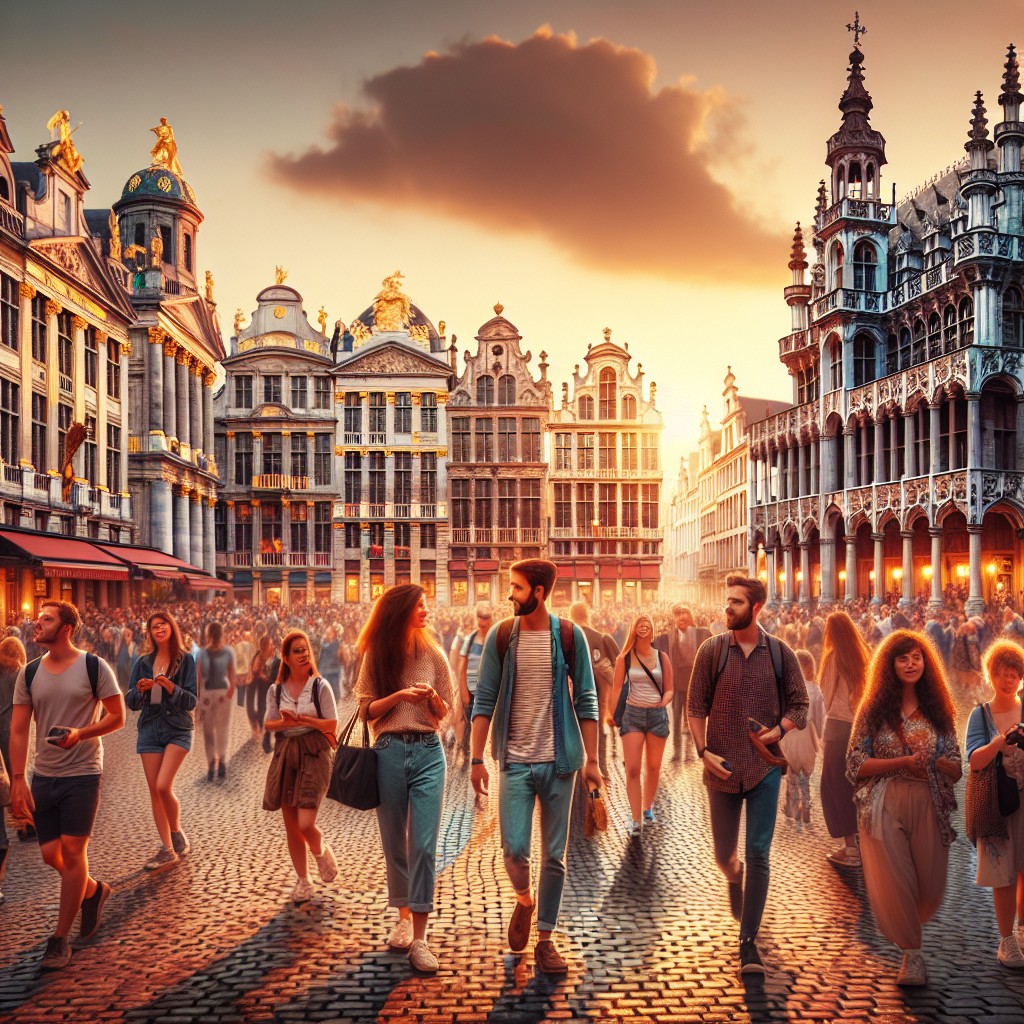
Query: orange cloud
[{"x": 564, "y": 141}]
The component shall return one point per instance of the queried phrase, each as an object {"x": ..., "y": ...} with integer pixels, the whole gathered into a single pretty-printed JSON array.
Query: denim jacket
[
  {"x": 177, "y": 706},
  {"x": 493, "y": 698}
]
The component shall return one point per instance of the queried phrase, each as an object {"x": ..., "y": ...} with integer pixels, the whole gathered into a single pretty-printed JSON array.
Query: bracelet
[
  {"x": 782, "y": 730},
  {"x": 476, "y": 760}
]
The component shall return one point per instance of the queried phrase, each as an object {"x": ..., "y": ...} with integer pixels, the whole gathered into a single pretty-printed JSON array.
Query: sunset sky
[{"x": 588, "y": 164}]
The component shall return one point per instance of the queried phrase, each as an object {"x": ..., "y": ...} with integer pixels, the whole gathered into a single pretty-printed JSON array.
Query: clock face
[{"x": 280, "y": 312}]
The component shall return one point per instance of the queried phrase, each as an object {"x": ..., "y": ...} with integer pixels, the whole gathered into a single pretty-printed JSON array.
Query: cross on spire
[{"x": 856, "y": 28}]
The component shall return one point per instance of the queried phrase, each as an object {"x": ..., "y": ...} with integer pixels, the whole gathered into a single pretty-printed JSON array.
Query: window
[
  {"x": 321, "y": 392},
  {"x": 403, "y": 412},
  {"x": 607, "y": 401},
  {"x": 563, "y": 506},
  {"x": 628, "y": 407},
  {"x": 482, "y": 512},
  {"x": 353, "y": 478},
  {"x": 966, "y": 328},
  {"x": 272, "y": 388},
  {"x": 299, "y": 456},
  {"x": 65, "y": 351},
  {"x": 140, "y": 235},
  {"x": 168, "y": 240},
  {"x": 531, "y": 439},
  {"x": 322, "y": 526},
  {"x": 270, "y": 528},
  {"x": 428, "y": 478},
  {"x": 39, "y": 328},
  {"x": 917, "y": 348},
  {"x": 273, "y": 454},
  {"x": 9, "y": 392},
  {"x": 529, "y": 504},
  {"x": 934, "y": 336},
  {"x": 300, "y": 393},
  {"x": 1013, "y": 318},
  {"x": 865, "y": 264},
  {"x": 92, "y": 357},
  {"x": 89, "y": 462},
  {"x": 460, "y": 504},
  {"x": 403, "y": 478},
  {"x": 65, "y": 417},
  {"x": 949, "y": 329},
  {"x": 629, "y": 460},
  {"x": 586, "y": 408},
  {"x": 808, "y": 380},
  {"x": 39, "y": 433},
  {"x": 584, "y": 507},
  {"x": 585, "y": 452},
  {"x": 378, "y": 479},
  {"x": 460, "y": 439},
  {"x": 243, "y": 460},
  {"x": 113, "y": 368},
  {"x": 506, "y": 504},
  {"x": 607, "y": 505},
  {"x": 649, "y": 498},
  {"x": 299, "y": 539},
  {"x": 506, "y": 389},
  {"x": 188, "y": 252},
  {"x": 485, "y": 390},
  {"x": 999, "y": 415},
  {"x": 323, "y": 452},
  {"x": 838, "y": 257},
  {"x": 352, "y": 535},
  {"x": 563, "y": 451},
  {"x": 428, "y": 412},
  {"x": 243, "y": 391},
  {"x": 113, "y": 458},
  {"x": 630, "y": 511},
  {"x": 606, "y": 451},
  {"x": 507, "y": 447},
  {"x": 378, "y": 413},
  {"x": 353, "y": 416},
  {"x": 428, "y": 539},
  {"x": 8, "y": 311},
  {"x": 649, "y": 452},
  {"x": 863, "y": 360},
  {"x": 403, "y": 543},
  {"x": 483, "y": 439},
  {"x": 220, "y": 526},
  {"x": 835, "y": 364}
]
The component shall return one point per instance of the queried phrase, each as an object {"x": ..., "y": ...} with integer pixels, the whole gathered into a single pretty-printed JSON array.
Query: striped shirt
[{"x": 531, "y": 730}]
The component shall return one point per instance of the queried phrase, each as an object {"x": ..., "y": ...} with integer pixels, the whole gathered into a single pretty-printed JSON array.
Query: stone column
[
  {"x": 827, "y": 462},
  {"x": 827, "y": 547},
  {"x": 787, "y": 583},
  {"x": 182, "y": 395},
  {"x": 127, "y": 415},
  {"x": 209, "y": 548},
  {"x": 170, "y": 388},
  {"x": 208, "y": 378},
  {"x": 973, "y": 432},
  {"x": 773, "y": 579},
  {"x": 894, "y": 449},
  {"x": 154, "y": 360},
  {"x": 780, "y": 476},
  {"x": 752, "y": 562},
  {"x": 850, "y": 460},
  {"x": 910, "y": 443},
  {"x": 27, "y": 293},
  {"x": 195, "y": 539},
  {"x": 863, "y": 471},
  {"x": 815, "y": 455},
  {"x": 101, "y": 417},
  {"x": 851, "y": 569},
  {"x": 935, "y": 601},
  {"x": 807, "y": 585},
  {"x": 879, "y": 467},
  {"x": 879, "y": 588},
  {"x": 161, "y": 514},
  {"x": 975, "y": 603},
  {"x": 907, "y": 594},
  {"x": 801, "y": 470},
  {"x": 935, "y": 438},
  {"x": 182, "y": 523},
  {"x": 78, "y": 326},
  {"x": 195, "y": 388}
]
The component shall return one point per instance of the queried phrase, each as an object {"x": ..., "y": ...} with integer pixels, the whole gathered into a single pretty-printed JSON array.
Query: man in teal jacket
[{"x": 543, "y": 734}]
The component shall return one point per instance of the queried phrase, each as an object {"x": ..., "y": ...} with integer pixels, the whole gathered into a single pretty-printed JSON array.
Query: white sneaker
[
  {"x": 912, "y": 970},
  {"x": 401, "y": 935},
  {"x": 327, "y": 864},
  {"x": 421, "y": 958},
  {"x": 303, "y": 891},
  {"x": 1009, "y": 954}
]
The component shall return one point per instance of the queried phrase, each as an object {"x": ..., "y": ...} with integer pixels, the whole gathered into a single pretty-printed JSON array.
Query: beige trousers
[
  {"x": 216, "y": 714},
  {"x": 905, "y": 867}
]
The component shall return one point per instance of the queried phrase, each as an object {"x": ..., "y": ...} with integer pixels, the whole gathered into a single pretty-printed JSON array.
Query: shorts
[
  {"x": 649, "y": 720},
  {"x": 65, "y": 806},
  {"x": 156, "y": 734}
]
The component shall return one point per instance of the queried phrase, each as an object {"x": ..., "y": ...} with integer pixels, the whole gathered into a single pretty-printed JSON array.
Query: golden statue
[
  {"x": 279, "y": 275},
  {"x": 165, "y": 151},
  {"x": 115, "y": 236},
  {"x": 133, "y": 252},
  {"x": 156, "y": 250},
  {"x": 359, "y": 330},
  {"x": 209, "y": 286},
  {"x": 239, "y": 317},
  {"x": 64, "y": 148},
  {"x": 440, "y": 327},
  {"x": 391, "y": 307},
  {"x": 322, "y": 319}
]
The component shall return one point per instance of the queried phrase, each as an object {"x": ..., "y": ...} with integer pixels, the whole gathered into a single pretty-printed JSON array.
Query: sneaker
[
  {"x": 162, "y": 860},
  {"x": 635, "y": 830},
  {"x": 222, "y": 771},
  {"x": 845, "y": 857},
  {"x": 57, "y": 955},
  {"x": 182, "y": 847},
  {"x": 401, "y": 934},
  {"x": 548, "y": 959},
  {"x": 1009, "y": 954},
  {"x": 211, "y": 773},
  {"x": 750, "y": 959},
  {"x": 327, "y": 864},
  {"x": 736, "y": 897},
  {"x": 421, "y": 958},
  {"x": 303, "y": 891},
  {"x": 519, "y": 927},
  {"x": 92, "y": 910},
  {"x": 912, "y": 970},
  {"x": 649, "y": 817}
]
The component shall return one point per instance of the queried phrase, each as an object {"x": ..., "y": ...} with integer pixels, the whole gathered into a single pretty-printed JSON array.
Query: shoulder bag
[
  {"x": 983, "y": 815},
  {"x": 354, "y": 777}
]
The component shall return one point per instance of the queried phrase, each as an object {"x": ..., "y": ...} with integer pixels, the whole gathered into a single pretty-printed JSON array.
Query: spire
[
  {"x": 822, "y": 204},
  {"x": 977, "y": 137},
  {"x": 1011, "y": 79},
  {"x": 856, "y": 101},
  {"x": 798, "y": 257}
]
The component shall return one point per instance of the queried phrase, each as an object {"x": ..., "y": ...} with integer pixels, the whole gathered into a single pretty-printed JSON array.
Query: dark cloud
[{"x": 556, "y": 139}]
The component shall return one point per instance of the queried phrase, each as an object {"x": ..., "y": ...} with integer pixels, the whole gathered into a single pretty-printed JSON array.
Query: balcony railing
[
  {"x": 13, "y": 474},
  {"x": 280, "y": 482},
  {"x": 858, "y": 209},
  {"x": 606, "y": 474},
  {"x": 353, "y": 437},
  {"x": 66, "y": 383},
  {"x": 377, "y": 437},
  {"x": 11, "y": 221},
  {"x": 854, "y": 299}
]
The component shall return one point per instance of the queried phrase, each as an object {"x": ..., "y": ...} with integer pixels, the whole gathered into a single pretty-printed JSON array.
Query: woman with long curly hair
[
  {"x": 903, "y": 761},
  {"x": 844, "y": 662},
  {"x": 404, "y": 691}
]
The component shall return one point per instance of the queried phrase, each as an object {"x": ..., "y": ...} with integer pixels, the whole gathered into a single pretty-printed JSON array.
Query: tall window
[
  {"x": 403, "y": 541},
  {"x": 353, "y": 478},
  {"x": 586, "y": 406},
  {"x": 863, "y": 359},
  {"x": 649, "y": 451},
  {"x": 323, "y": 453},
  {"x": 584, "y": 506},
  {"x": 630, "y": 507},
  {"x": 378, "y": 479},
  {"x": 531, "y": 439},
  {"x": 89, "y": 461},
  {"x": 322, "y": 526},
  {"x": 321, "y": 392},
  {"x": 949, "y": 329},
  {"x": 428, "y": 412},
  {"x": 506, "y": 439},
  {"x": 168, "y": 239},
  {"x": 270, "y": 528},
  {"x": 378, "y": 413},
  {"x": 353, "y": 415},
  {"x": 113, "y": 368},
  {"x": 460, "y": 439},
  {"x": 300, "y": 393},
  {"x": 9, "y": 392},
  {"x": 485, "y": 390},
  {"x": 506, "y": 504},
  {"x": 403, "y": 412},
  {"x": 629, "y": 460},
  {"x": 918, "y": 346},
  {"x": 8, "y": 311},
  {"x": 529, "y": 504},
  {"x": 966, "y": 328},
  {"x": 483, "y": 439},
  {"x": 649, "y": 506},
  {"x": 92, "y": 357},
  {"x": 835, "y": 364},
  {"x": 352, "y": 535},
  {"x": 272, "y": 388},
  {"x": 1013, "y": 318},
  {"x": 865, "y": 265},
  {"x": 607, "y": 395},
  {"x": 506, "y": 389},
  {"x": 299, "y": 540},
  {"x": 460, "y": 504},
  {"x": 606, "y": 450},
  {"x": 607, "y": 504},
  {"x": 188, "y": 252},
  {"x": 243, "y": 527},
  {"x": 999, "y": 416},
  {"x": 65, "y": 351},
  {"x": 65, "y": 416},
  {"x": 628, "y": 408},
  {"x": 299, "y": 455},
  {"x": 483, "y": 513},
  {"x": 39, "y": 328},
  {"x": 39, "y": 433},
  {"x": 243, "y": 391},
  {"x": 585, "y": 451},
  {"x": 892, "y": 354},
  {"x": 563, "y": 451},
  {"x": 934, "y": 336},
  {"x": 220, "y": 526},
  {"x": 243, "y": 460},
  {"x": 428, "y": 541},
  {"x": 563, "y": 506},
  {"x": 428, "y": 478},
  {"x": 403, "y": 478},
  {"x": 273, "y": 457}
]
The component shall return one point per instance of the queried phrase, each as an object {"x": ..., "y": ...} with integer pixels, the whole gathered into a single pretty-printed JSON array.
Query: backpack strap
[
  {"x": 92, "y": 668},
  {"x": 30, "y": 673},
  {"x": 503, "y": 637},
  {"x": 316, "y": 697},
  {"x": 775, "y": 652},
  {"x": 721, "y": 657},
  {"x": 567, "y": 636}
]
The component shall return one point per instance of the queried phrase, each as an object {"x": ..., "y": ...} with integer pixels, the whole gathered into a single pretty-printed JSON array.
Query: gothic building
[
  {"x": 605, "y": 483},
  {"x": 898, "y": 471},
  {"x": 497, "y": 470}
]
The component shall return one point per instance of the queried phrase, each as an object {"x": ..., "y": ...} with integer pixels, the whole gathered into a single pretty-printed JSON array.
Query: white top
[
  {"x": 642, "y": 692},
  {"x": 531, "y": 729},
  {"x": 303, "y": 706}
]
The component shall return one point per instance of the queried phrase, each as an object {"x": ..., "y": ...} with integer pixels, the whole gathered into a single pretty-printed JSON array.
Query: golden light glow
[
  {"x": 897, "y": 574},
  {"x": 842, "y": 575},
  {"x": 799, "y": 575},
  {"x": 871, "y": 575},
  {"x": 991, "y": 568},
  {"x": 926, "y": 572},
  {"x": 962, "y": 570}
]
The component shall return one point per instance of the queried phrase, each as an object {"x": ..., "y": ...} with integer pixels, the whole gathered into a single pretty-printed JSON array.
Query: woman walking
[
  {"x": 404, "y": 691},
  {"x": 163, "y": 688},
  {"x": 301, "y": 710},
  {"x": 647, "y": 674},
  {"x": 844, "y": 662},
  {"x": 904, "y": 761},
  {"x": 1001, "y": 860},
  {"x": 215, "y": 672}
]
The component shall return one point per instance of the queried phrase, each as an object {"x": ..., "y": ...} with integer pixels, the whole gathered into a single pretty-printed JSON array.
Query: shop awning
[
  {"x": 149, "y": 559},
  {"x": 486, "y": 565},
  {"x": 650, "y": 572},
  {"x": 207, "y": 583},
  {"x": 566, "y": 572},
  {"x": 609, "y": 572},
  {"x": 457, "y": 568},
  {"x": 64, "y": 557},
  {"x": 584, "y": 570}
]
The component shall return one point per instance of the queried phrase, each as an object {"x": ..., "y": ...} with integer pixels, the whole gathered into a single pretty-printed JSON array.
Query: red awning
[
  {"x": 566, "y": 572},
  {"x": 81, "y": 571},
  {"x": 584, "y": 570},
  {"x": 166, "y": 574},
  {"x": 207, "y": 583},
  {"x": 650, "y": 572},
  {"x": 66, "y": 556},
  {"x": 148, "y": 559},
  {"x": 486, "y": 565},
  {"x": 630, "y": 570},
  {"x": 457, "y": 569},
  {"x": 609, "y": 572}
]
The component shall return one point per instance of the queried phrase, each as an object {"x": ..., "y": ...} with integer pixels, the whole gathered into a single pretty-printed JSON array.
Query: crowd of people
[{"x": 755, "y": 694}]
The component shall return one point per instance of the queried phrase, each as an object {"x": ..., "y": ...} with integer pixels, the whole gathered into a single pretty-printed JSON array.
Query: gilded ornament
[
  {"x": 53, "y": 308},
  {"x": 27, "y": 291},
  {"x": 280, "y": 274},
  {"x": 322, "y": 320},
  {"x": 78, "y": 323},
  {"x": 156, "y": 250},
  {"x": 115, "y": 236},
  {"x": 134, "y": 182},
  {"x": 156, "y": 336},
  {"x": 391, "y": 308},
  {"x": 209, "y": 286},
  {"x": 239, "y": 317},
  {"x": 163, "y": 183},
  {"x": 280, "y": 312},
  {"x": 63, "y": 149},
  {"x": 165, "y": 151}
]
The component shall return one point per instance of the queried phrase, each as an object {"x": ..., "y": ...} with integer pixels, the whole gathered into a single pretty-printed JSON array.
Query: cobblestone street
[{"x": 646, "y": 927}]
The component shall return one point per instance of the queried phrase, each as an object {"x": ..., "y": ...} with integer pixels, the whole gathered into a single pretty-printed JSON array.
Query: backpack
[
  {"x": 92, "y": 668},
  {"x": 316, "y": 696},
  {"x": 722, "y": 645},
  {"x": 565, "y": 631}
]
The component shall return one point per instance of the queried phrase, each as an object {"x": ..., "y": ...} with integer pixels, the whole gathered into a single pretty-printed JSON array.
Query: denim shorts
[
  {"x": 156, "y": 734},
  {"x": 651, "y": 720}
]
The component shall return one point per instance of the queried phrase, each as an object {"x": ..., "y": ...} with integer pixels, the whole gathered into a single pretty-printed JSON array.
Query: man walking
[
  {"x": 684, "y": 640},
  {"x": 467, "y": 671},
  {"x": 603, "y": 652},
  {"x": 746, "y": 692},
  {"x": 64, "y": 691},
  {"x": 542, "y": 736}
]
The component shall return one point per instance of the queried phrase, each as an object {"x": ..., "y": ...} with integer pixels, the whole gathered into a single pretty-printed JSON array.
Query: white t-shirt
[
  {"x": 303, "y": 706},
  {"x": 531, "y": 729}
]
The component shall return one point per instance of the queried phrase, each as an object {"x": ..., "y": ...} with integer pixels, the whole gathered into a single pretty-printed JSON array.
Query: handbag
[
  {"x": 1007, "y": 793},
  {"x": 354, "y": 776},
  {"x": 983, "y": 814},
  {"x": 5, "y": 787}
]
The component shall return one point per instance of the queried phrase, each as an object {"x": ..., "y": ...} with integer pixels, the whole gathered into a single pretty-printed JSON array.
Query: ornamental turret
[
  {"x": 1009, "y": 138},
  {"x": 798, "y": 294}
]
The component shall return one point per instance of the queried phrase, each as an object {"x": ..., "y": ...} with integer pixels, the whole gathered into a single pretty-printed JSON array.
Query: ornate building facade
[
  {"x": 898, "y": 470},
  {"x": 497, "y": 471},
  {"x": 682, "y": 534},
  {"x": 605, "y": 483}
]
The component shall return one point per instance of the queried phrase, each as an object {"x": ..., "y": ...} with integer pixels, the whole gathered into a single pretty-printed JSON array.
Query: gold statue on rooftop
[
  {"x": 165, "y": 152},
  {"x": 209, "y": 286},
  {"x": 322, "y": 320},
  {"x": 156, "y": 250},
  {"x": 115, "y": 236},
  {"x": 279, "y": 274},
  {"x": 64, "y": 148},
  {"x": 391, "y": 308},
  {"x": 239, "y": 317}
]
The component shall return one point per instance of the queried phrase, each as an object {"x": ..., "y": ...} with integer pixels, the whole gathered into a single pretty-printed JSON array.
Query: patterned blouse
[{"x": 918, "y": 736}]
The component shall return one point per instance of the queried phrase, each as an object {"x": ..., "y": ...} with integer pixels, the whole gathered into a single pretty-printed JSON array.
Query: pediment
[
  {"x": 394, "y": 359},
  {"x": 76, "y": 263}
]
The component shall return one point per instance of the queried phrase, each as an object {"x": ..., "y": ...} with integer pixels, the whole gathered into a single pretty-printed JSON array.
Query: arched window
[
  {"x": 917, "y": 352},
  {"x": 586, "y": 407},
  {"x": 607, "y": 399},
  {"x": 506, "y": 389},
  {"x": 835, "y": 364},
  {"x": 999, "y": 425},
  {"x": 838, "y": 258},
  {"x": 485, "y": 390},
  {"x": 934, "y": 336},
  {"x": 949, "y": 330},
  {"x": 1013, "y": 318},
  {"x": 892, "y": 355},
  {"x": 855, "y": 188},
  {"x": 870, "y": 191},
  {"x": 628, "y": 407},
  {"x": 904, "y": 347},
  {"x": 865, "y": 266},
  {"x": 966, "y": 330},
  {"x": 863, "y": 359}
]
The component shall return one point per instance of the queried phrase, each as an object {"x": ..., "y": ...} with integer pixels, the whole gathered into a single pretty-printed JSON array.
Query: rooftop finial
[
  {"x": 822, "y": 203},
  {"x": 798, "y": 257},
  {"x": 1011, "y": 78},
  {"x": 857, "y": 29},
  {"x": 979, "y": 122}
]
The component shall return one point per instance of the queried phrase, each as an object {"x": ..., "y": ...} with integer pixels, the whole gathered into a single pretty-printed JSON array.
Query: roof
[
  {"x": 755, "y": 409},
  {"x": 930, "y": 207},
  {"x": 159, "y": 182}
]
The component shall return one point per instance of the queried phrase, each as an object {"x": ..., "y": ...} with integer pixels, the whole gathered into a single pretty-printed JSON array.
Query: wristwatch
[{"x": 476, "y": 760}]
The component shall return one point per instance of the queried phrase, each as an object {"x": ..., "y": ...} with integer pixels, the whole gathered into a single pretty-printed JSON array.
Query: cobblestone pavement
[{"x": 646, "y": 927}]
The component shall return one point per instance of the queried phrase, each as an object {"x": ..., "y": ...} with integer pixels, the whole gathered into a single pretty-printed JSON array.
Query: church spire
[
  {"x": 1011, "y": 80},
  {"x": 978, "y": 143}
]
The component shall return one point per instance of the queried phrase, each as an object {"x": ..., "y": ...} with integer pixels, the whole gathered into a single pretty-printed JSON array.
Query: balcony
[
  {"x": 606, "y": 474},
  {"x": 11, "y": 221},
  {"x": 853, "y": 300},
  {"x": 280, "y": 482},
  {"x": 353, "y": 437},
  {"x": 378, "y": 437},
  {"x": 590, "y": 532},
  {"x": 857, "y": 209},
  {"x": 801, "y": 341},
  {"x": 67, "y": 385}
]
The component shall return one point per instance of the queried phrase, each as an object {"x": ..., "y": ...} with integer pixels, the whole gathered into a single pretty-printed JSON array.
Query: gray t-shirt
[{"x": 67, "y": 700}]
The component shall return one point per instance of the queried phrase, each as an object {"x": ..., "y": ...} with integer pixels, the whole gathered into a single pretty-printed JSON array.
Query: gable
[
  {"x": 76, "y": 259},
  {"x": 394, "y": 359}
]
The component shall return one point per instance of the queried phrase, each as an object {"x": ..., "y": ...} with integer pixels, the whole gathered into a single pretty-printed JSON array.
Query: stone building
[
  {"x": 898, "y": 471},
  {"x": 605, "y": 483},
  {"x": 682, "y": 534},
  {"x": 497, "y": 468}
]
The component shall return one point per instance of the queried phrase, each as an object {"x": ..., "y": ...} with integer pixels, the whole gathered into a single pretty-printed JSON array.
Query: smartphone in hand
[{"x": 56, "y": 735}]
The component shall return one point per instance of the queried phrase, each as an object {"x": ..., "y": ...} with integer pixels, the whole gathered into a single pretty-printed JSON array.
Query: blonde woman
[{"x": 644, "y": 727}]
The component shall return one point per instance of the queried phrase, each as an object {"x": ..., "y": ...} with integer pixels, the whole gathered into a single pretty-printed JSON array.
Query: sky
[{"x": 600, "y": 163}]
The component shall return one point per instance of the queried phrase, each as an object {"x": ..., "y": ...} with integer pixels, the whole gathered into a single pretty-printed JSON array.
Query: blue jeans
[
  {"x": 522, "y": 785},
  {"x": 762, "y": 804},
  {"x": 410, "y": 776}
]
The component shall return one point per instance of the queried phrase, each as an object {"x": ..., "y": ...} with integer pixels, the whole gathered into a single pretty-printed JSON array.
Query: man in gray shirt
[{"x": 64, "y": 691}]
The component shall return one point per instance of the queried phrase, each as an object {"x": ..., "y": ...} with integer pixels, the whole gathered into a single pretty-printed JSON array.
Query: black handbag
[
  {"x": 1007, "y": 793},
  {"x": 354, "y": 777}
]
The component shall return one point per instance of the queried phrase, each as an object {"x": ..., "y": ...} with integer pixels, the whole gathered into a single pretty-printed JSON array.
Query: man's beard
[
  {"x": 527, "y": 608},
  {"x": 741, "y": 620}
]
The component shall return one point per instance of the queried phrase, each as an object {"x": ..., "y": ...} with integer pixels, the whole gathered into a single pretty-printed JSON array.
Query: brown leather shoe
[
  {"x": 548, "y": 959},
  {"x": 519, "y": 927}
]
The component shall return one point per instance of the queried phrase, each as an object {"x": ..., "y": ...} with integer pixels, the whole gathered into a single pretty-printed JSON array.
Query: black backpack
[{"x": 92, "y": 667}]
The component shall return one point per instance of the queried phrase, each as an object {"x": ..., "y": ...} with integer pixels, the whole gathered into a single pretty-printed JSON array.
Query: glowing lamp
[
  {"x": 991, "y": 568},
  {"x": 871, "y": 575},
  {"x": 926, "y": 572},
  {"x": 842, "y": 575},
  {"x": 961, "y": 571},
  {"x": 782, "y": 577},
  {"x": 897, "y": 574}
]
